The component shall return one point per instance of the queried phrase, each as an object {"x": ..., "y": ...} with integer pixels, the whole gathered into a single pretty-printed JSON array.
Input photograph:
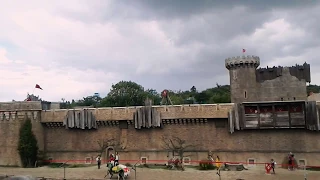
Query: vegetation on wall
[
  {"x": 128, "y": 93},
  {"x": 27, "y": 146}
]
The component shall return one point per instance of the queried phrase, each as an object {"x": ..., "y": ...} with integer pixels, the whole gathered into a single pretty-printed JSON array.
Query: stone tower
[{"x": 242, "y": 72}]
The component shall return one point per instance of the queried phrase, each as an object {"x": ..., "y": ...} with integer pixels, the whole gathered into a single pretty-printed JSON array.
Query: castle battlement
[
  {"x": 250, "y": 83},
  {"x": 299, "y": 71},
  {"x": 239, "y": 61}
]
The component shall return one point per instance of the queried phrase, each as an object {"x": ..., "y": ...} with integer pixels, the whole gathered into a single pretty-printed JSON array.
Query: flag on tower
[
  {"x": 38, "y": 87},
  {"x": 243, "y": 50}
]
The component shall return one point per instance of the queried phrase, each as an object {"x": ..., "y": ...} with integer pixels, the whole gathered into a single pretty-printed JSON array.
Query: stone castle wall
[
  {"x": 242, "y": 75},
  {"x": 205, "y": 126},
  {"x": 167, "y": 112},
  {"x": 249, "y": 84},
  {"x": 12, "y": 116},
  {"x": 283, "y": 88},
  {"x": 213, "y": 135}
]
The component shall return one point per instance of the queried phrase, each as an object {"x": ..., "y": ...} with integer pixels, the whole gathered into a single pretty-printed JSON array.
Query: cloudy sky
[{"x": 74, "y": 48}]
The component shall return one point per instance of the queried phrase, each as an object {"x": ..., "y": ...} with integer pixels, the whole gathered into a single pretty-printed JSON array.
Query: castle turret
[{"x": 242, "y": 72}]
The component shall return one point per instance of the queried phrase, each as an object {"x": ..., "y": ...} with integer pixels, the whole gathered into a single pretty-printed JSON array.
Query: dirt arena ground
[{"x": 256, "y": 173}]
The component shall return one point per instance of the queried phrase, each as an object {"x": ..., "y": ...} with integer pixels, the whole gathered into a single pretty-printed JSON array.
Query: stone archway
[{"x": 109, "y": 150}]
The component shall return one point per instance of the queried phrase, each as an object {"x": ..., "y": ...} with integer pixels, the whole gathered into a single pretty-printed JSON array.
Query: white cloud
[
  {"x": 85, "y": 50},
  {"x": 19, "y": 78},
  {"x": 3, "y": 59},
  {"x": 278, "y": 31}
]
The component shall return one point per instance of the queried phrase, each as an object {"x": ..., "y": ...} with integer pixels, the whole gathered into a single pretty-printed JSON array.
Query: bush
[
  {"x": 55, "y": 165},
  {"x": 27, "y": 146},
  {"x": 206, "y": 165},
  {"x": 41, "y": 159},
  {"x": 79, "y": 165}
]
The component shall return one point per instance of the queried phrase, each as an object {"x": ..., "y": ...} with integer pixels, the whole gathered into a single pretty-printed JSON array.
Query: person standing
[
  {"x": 291, "y": 161},
  {"x": 218, "y": 163},
  {"x": 273, "y": 164},
  {"x": 116, "y": 160},
  {"x": 98, "y": 159}
]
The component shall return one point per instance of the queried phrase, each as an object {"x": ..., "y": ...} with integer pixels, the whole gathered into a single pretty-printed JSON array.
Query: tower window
[
  {"x": 294, "y": 98},
  {"x": 281, "y": 99},
  {"x": 245, "y": 94}
]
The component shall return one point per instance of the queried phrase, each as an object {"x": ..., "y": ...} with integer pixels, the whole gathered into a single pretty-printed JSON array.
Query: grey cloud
[
  {"x": 203, "y": 34},
  {"x": 186, "y": 8},
  {"x": 216, "y": 28},
  {"x": 179, "y": 9},
  {"x": 212, "y": 25}
]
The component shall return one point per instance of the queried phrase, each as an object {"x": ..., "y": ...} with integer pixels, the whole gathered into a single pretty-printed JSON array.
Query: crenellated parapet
[
  {"x": 242, "y": 61},
  {"x": 16, "y": 111},
  {"x": 270, "y": 73},
  {"x": 110, "y": 116}
]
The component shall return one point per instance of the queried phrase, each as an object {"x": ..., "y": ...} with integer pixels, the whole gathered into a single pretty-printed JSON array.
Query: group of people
[
  {"x": 291, "y": 164},
  {"x": 216, "y": 160},
  {"x": 113, "y": 159},
  {"x": 291, "y": 161}
]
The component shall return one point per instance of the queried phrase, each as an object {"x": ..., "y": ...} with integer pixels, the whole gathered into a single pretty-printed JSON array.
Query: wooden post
[
  {"x": 243, "y": 116},
  {"x": 288, "y": 106},
  {"x": 274, "y": 116},
  {"x": 258, "y": 108}
]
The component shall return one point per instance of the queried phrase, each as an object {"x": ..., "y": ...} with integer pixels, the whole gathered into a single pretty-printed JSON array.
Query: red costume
[{"x": 111, "y": 158}]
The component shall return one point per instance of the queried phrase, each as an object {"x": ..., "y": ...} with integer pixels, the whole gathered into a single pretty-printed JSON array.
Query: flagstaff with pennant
[{"x": 37, "y": 86}]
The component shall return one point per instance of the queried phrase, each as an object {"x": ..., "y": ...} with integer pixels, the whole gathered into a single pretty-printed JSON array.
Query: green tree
[
  {"x": 128, "y": 93},
  {"x": 27, "y": 146},
  {"x": 313, "y": 88},
  {"x": 218, "y": 94},
  {"x": 202, "y": 97},
  {"x": 89, "y": 101},
  {"x": 176, "y": 98},
  {"x": 154, "y": 95},
  {"x": 125, "y": 93}
]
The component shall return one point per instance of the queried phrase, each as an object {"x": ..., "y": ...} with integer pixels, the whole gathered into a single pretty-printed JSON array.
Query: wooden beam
[
  {"x": 289, "y": 115},
  {"x": 274, "y": 116},
  {"x": 258, "y": 108},
  {"x": 243, "y": 117}
]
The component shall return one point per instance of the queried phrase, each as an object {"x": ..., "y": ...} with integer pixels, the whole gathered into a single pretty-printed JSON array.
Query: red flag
[
  {"x": 38, "y": 86},
  {"x": 243, "y": 50}
]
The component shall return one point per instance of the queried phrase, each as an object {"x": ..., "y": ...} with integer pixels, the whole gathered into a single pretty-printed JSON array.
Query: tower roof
[{"x": 238, "y": 61}]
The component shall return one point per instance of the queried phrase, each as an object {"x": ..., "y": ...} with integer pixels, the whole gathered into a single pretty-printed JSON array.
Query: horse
[{"x": 120, "y": 173}]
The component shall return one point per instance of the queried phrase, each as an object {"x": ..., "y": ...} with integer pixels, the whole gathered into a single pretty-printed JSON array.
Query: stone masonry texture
[
  {"x": 202, "y": 125},
  {"x": 279, "y": 83}
]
